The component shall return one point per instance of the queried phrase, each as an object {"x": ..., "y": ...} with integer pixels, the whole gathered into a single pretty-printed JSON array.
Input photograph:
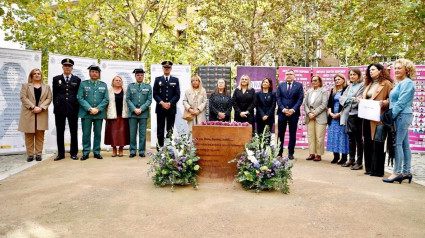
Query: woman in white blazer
[
  {"x": 195, "y": 101},
  {"x": 315, "y": 107}
]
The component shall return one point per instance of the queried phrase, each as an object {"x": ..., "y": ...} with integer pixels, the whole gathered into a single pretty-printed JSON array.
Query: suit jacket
[
  {"x": 65, "y": 100},
  {"x": 266, "y": 105},
  {"x": 244, "y": 102},
  {"x": 166, "y": 92},
  {"x": 318, "y": 107},
  {"x": 93, "y": 95},
  {"x": 382, "y": 92},
  {"x": 111, "y": 110},
  {"x": 200, "y": 103},
  {"x": 139, "y": 98},
  {"x": 27, "y": 117},
  {"x": 291, "y": 100}
]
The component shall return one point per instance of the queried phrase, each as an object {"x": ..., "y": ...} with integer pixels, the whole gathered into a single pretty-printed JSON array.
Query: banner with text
[
  {"x": 182, "y": 72},
  {"x": 256, "y": 74},
  {"x": 15, "y": 66},
  {"x": 417, "y": 128}
]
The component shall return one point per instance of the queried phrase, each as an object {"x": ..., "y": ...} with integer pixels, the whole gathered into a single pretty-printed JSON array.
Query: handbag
[
  {"x": 350, "y": 124},
  {"x": 380, "y": 133},
  {"x": 187, "y": 115}
]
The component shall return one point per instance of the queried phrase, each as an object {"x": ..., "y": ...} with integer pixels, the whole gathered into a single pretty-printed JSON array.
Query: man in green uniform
[
  {"x": 139, "y": 98},
  {"x": 93, "y": 98}
]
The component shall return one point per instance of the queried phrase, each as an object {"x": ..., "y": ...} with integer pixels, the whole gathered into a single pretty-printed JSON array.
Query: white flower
[
  {"x": 179, "y": 152},
  {"x": 251, "y": 156}
]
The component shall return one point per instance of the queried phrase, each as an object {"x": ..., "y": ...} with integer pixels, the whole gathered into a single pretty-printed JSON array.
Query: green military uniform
[
  {"x": 92, "y": 94},
  {"x": 139, "y": 96}
]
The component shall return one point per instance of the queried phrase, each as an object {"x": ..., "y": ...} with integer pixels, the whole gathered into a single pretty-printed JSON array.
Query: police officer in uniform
[
  {"x": 93, "y": 98},
  {"x": 166, "y": 92},
  {"x": 65, "y": 89},
  {"x": 139, "y": 98}
]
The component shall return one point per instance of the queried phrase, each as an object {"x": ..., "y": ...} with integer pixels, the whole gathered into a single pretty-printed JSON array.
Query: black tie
[
  {"x": 67, "y": 79},
  {"x": 289, "y": 88},
  {"x": 166, "y": 79}
]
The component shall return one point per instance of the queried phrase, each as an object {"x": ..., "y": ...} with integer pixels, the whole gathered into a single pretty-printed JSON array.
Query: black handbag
[
  {"x": 350, "y": 124},
  {"x": 380, "y": 133}
]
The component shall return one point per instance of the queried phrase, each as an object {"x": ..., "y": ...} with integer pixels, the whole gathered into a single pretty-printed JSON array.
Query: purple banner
[{"x": 256, "y": 74}]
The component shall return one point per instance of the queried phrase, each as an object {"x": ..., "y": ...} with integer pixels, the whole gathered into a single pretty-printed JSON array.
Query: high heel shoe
[
  {"x": 409, "y": 177},
  {"x": 398, "y": 179}
]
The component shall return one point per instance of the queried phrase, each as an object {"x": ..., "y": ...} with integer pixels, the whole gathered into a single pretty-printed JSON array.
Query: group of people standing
[{"x": 126, "y": 111}]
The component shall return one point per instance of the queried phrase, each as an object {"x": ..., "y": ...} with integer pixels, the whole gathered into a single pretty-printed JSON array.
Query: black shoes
[
  {"x": 334, "y": 161},
  {"x": 409, "y": 177},
  {"x": 132, "y": 155},
  {"x": 38, "y": 158},
  {"x": 142, "y": 155},
  {"x": 357, "y": 167},
  {"x": 84, "y": 157},
  {"x": 59, "y": 157},
  {"x": 291, "y": 157},
  {"x": 98, "y": 156},
  {"x": 30, "y": 158},
  {"x": 74, "y": 157}
]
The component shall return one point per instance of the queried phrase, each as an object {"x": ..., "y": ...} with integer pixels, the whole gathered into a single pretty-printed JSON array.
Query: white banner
[
  {"x": 124, "y": 69},
  {"x": 15, "y": 68},
  {"x": 182, "y": 72},
  {"x": 370, "y": 110},
  {"x": 80, "y": 70}
]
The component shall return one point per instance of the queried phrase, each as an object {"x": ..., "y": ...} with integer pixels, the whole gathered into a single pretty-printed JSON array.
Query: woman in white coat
[
  {"x": 195, "y": 101},
  {"x": 315, "y": 107}
]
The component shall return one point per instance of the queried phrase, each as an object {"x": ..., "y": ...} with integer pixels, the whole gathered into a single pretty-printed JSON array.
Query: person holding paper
[
  {"x": 244, "y": 101},
  {"x": 34, "y": 118},
  {"x": 220, "y": 103},
  {"x": 195, "y": 101},
  {"x": 289, "y": 97},
  {"x": 337, "y": 139},
  {"x": 315, "y": 108},
  {"x": 401, "y": 100},
  {"x": 378, "y": 85},
  {"x": 350, "y": 113}
]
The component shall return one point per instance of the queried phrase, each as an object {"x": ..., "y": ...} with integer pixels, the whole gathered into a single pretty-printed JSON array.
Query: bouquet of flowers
[
  {"x": 175, "y": 163},
  {"x": 224, "y": 123},
  {"x": 260, "y": 168}
]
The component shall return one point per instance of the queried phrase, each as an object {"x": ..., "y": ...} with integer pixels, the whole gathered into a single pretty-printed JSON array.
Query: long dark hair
[
  {"x": 216, "y": 92},
  {"x": 383, "y": 75},
  {"x": 270, "y": 82}
]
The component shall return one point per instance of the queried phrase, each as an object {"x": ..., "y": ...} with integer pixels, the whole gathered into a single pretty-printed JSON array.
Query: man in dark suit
[
  {"x": 289, "y": 97},
  {"x": 65, "y": 89},
  {"x": 166, "y": 92}
]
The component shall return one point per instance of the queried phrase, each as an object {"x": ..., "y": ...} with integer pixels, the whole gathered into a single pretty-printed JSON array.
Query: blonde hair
[
  {"x": 410, "y": 67},
  {"x": 200, "y": 82},
  {"x": 334, "y": 90},
  {"x": 117, "y": 76},
  {"x": 32, "y": 74},
  {"x": 240, "y": 81}
]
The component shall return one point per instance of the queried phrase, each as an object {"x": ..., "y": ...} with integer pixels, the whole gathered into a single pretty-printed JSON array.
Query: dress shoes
[
  {"x": 376, "y": 175},
  {"x": 311, "y": 157},
  {"x": 291, "y": 157},
  {"x": 342, "y": 161},
  {"x": 334, "y": 161},
  {"x": 409, "y": 177},
  {"x": 398, "y": 179},
  {"x": 318, "y": 158},
  {"x": 367, "y": 173},
  {"x": 30, "y": 158},
  {"x": 84, "y": 157},
  {"x": 132, "y": 155},
  {"x": 74, "y": 157},
  {"x": 357, "y": 167},
  {"x": 98, "y": 156},
  {"x": 348, "y": 164},
  {"x": 38, "y": 158},
  {"x": 142, "y": 155},
  {"x": 59, "y": 157}
]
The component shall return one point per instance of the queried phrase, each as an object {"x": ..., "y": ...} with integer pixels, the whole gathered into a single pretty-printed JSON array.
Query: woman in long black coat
[
  {"x": 266, "y": 106},
  {"x": 244, "y": 101}
]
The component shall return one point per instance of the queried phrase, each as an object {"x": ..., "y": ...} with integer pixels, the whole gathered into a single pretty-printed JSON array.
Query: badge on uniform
[
  {"x": 160, "y": 83},
  {"x": 60, "y": 82},
  {"x": 101, "y": 87},
  {"x": 145, "y": 89},
  {"x": 172, "y": 84}
]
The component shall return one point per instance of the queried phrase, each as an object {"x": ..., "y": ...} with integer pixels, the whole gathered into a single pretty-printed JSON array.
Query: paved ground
[{"x": 114, "y": 197}]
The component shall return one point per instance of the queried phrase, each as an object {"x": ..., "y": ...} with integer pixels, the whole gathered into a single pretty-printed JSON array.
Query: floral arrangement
[
  {"x": 259, "y": 167},
  {"x": 175, "y": 163},
  {"x": 224, "y": 123}
]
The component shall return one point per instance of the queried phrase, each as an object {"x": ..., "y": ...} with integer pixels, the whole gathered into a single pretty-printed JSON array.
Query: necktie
[
  {"x": 289, "y": 88},
  {"x": 140, "y": 85},
  {"x": 67, "y": 79},
  {"x": 166, "y": 79}
]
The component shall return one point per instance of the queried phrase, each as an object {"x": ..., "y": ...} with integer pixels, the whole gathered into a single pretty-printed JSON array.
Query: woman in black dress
[
  {"x": 220, "y": 103},
  {"x": 266, "y": 105},
  {"x": 244, "y": 101}
]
